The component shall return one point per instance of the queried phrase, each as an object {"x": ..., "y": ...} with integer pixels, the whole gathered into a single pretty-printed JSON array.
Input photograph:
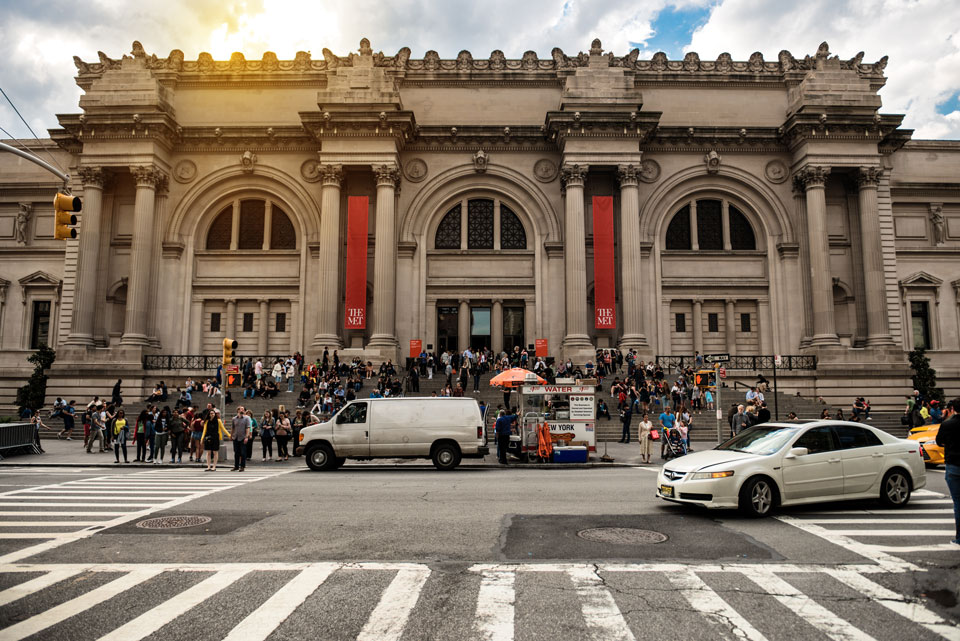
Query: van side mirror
[{"x": 797, "y": 451}]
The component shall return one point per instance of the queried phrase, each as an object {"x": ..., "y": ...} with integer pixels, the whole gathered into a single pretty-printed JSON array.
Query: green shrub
[
  {"x": 924, "y": 376},
  {"x": 33, "y": 394}
]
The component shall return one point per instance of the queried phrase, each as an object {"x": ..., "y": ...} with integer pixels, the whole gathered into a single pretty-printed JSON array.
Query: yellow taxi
[{"x": 926, "y": 435}]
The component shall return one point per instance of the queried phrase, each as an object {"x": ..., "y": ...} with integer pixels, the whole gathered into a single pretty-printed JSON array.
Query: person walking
[
  {"x": 283, "y": 428},
  {"x": 667, "y": 421},
  {"x": 503, "y": 429},
  {"x": 948, "y": 437},
  {"x": 267, "y": 433},
  {"x": 96, "y": 431},
  {"x": 626, "y": 415},
  {"x": 240, "y": 435},
  {"x": 643, "y": 434},
  {"x": 68, "y": 414},
  {"x": 120, "y": 431},
  {"x": 177, "y": 431},
  {"x": 213, "y": 431},
  {"x": 161, "y": 436},
  {"x": 741, "y": 420},
  {"x": 139, "y": 436}
]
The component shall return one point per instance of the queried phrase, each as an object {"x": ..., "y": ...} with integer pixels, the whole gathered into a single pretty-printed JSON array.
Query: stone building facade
[{"x": 760, "y": 207}]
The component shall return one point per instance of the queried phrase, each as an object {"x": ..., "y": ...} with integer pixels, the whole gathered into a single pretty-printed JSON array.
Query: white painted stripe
[
  {"x": 639, "y": 468},
  {"x": 496, "y": 605},
  {"x": 59, "y": 497},
  {"x": 880, "y": 532},
  {"x": 904, "y": 606},
  {"x": 64, "y": 611},
  {"x": 600, "y": 611},
  {"x": 927, "y": 493},
  {"x": 152, "y": 620},
  {"x": 931, "y": 502},
  {"x": 806, "y": 608},
  {"x": 880, "y": 521},
  {"x": 703, "y": 599},
  {"x": 887, "y": 513},
  {"x": 58, "y": 513},
  {"x": 933, "y": 547},
  {"x": 48, "y": 523},
  {"x": 29, "y": 535},
  {"x": 888, "y": 562},
  {"x": 35, "y": 585},
  {"x": 389, "y": 618},
  {"x": 9, "y": 504},
  {"x": 260, "y": 623},
  {"x": 106, "y": 490}
]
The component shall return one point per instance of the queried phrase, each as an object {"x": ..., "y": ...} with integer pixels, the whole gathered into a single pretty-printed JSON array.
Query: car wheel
[
  {"x": 446, "y": 456},
  {"x": 895, "y": 489},
  {"x": 757, "y": 497},
  {"x": 320, "y": 458}
]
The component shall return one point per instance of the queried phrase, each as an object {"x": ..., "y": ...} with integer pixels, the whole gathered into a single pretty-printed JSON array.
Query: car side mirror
[
  {"x": 797, "y": 451},
  {"x": 340, "y": 419}
]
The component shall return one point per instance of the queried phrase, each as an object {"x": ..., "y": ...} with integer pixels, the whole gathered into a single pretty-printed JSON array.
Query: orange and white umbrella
[{"x": 516, "y": 377}]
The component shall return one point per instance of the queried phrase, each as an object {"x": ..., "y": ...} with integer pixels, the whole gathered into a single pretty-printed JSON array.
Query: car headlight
[{"x": 699, "y": 476}]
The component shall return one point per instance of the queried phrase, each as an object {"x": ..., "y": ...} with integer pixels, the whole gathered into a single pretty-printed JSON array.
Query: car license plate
[{"x": 666, "y": 490}]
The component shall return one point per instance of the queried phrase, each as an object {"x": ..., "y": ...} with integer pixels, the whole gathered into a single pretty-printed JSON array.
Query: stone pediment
[
  {"x": 921, "y": 279},
  {"x": 39, "y": 279}
]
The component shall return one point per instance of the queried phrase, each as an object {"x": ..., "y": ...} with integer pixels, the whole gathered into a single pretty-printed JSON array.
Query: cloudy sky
[{"x": 921, "y": 37}]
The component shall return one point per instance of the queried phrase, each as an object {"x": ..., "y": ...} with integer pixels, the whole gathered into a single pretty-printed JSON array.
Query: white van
[{"x": 441, "y": 429}]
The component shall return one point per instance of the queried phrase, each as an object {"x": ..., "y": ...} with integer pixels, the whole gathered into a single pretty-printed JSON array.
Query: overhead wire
[{"x": 17, "y": 111}]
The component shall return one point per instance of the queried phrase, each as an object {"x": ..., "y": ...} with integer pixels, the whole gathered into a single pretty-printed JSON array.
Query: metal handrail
[
  {"x": 202, "y": 361},
  {"x": 754, "y": 362}
]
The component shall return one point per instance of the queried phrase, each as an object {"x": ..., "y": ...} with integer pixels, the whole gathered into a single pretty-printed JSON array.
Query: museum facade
[{"x": 365, "y": 201}]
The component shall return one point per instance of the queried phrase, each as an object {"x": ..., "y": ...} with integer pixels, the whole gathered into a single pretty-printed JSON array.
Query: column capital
[
  {"x": 230, "y": 301},
  {"x": 496, "y": 301},
  {"x": 730, "y": 301},
  {"x": 330, "y": 174},
  {"x": 94, "y": 177},
  {"x": 573, "y": 175},
  {"x": 148, "y": 176},
  {"x": 263, "y": 301},
  {"x": 628, "y": 175},
  {"x": 463, "y": 301},
  {"x": 387, "y": 175},
  {"x": 697, "y": 301},
  {"x": 813, "y": 176},
  {"x": 869, "y": 177}
]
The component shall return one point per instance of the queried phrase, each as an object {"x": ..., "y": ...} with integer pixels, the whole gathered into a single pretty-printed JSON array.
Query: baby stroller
[{"x": 674, "y": 444}]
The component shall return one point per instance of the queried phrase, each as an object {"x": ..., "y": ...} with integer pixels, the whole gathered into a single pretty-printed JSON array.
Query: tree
[
  {"x": 33, "y": 394},
  {"x": 924, "y": 376}
]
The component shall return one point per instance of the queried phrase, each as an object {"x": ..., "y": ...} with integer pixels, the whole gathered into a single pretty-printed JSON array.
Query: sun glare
[{"x": 283, "y": 26}]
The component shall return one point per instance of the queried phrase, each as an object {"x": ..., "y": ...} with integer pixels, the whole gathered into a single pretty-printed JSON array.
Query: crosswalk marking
[
  {"x": 275, "y": 610},
  {"x": 116, "y": 498},
  {"x": 494, "y": 615}
]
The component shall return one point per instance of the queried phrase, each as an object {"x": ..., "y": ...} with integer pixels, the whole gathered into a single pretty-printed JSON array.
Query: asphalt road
[{"x": 413, "y": 553}]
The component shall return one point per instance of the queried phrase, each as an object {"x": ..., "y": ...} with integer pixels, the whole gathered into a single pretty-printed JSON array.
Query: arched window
[
  {"x": 218, "y": 237},
  {"x": 251, "y": 227},
  {"x": 480, "y": 217},
  {"x": 480, "y": 224},
  {"x": 709, "y": 215},
  {"x": 678, "y": 232},
  {"x": 512, "y": 235},
  {"x": 448, "y": 233}
]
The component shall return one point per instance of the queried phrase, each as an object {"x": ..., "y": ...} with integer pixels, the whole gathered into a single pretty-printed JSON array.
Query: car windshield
[{"x": 760, "y": 439}]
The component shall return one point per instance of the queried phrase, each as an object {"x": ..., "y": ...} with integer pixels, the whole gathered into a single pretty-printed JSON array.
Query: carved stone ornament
[
  {"x": 545, "y": 170},
  {"x": 147, "y": 175},
  {"x": 712, "y": 160},
  {"x": 480, "y": 160},
  {"x": 310, "y": 171},
  {"x": 649, "y": 171},
  {"x": 20, "y": 224},
  {"x": 814, "y": 176},
  {"x": 331, "y": 174},
  {"x": 415, "y": 170},
  {"x": 938, "y": 222},
  {"x": 628, "y": 175},
  {"x": 185, "y": 171},
  {"x": 775, "y": 171},
  {"x": 92, "y": 176},
  {"x": 573, "y": 175},
  {"x": 869, "y": 176},
  {"x": 247, "y": 161},
  {"x": 387, "y": 175}
]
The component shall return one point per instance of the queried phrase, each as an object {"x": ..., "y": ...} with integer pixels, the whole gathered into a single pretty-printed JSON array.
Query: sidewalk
[{"x": 71, "y": 454}]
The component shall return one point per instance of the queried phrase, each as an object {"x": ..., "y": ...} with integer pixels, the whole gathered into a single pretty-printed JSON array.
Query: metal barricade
[{"x": 16, "y": 436}]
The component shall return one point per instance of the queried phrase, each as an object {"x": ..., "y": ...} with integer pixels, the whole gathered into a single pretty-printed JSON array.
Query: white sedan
[{"x": 777, "y": 464}]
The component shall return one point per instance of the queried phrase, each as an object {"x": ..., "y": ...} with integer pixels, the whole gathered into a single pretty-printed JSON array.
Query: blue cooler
[{"x": 570, "y": 454}]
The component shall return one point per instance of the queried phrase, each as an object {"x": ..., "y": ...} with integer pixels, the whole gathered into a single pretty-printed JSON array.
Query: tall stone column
[
  {"x": 697, "y": 322},
  {"x": 821, "y": 281},
  {"x": 196, "y": 330},
  {"x": 463, "y": 325},
  {"x": 575, "y": 263},
  {"x": 293, "y": 326},
  {"x": 159, "y": 216},
  {"x": 139, "y": 288},
  {"x": 84, "y": 297},
  {"x": 328, "y": 264},
  {"x": 231, "y": 320},
  {"x": 385, "y": 261},
  {"x": 630, "y": 275},
  {"x": 730, "y": 322},
  {"x": 496, "y": 326},
  {"x": 263, "y": 335},
  {"x": 430, "y": 325},
  {"x": 878, "y": 329},
  {"x": 530, "y": 322}
]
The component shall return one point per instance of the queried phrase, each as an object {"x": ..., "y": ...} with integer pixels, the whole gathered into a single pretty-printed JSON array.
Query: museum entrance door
[
  {"x": 479, "y": 328},
  {"x": 447, "y": 328}
]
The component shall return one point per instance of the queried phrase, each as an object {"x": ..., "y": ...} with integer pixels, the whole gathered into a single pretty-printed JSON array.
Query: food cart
[{"x": 569, "y": 411}]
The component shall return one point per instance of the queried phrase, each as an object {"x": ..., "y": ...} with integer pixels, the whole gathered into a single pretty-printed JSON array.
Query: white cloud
[{"x": 921, "y": 37}]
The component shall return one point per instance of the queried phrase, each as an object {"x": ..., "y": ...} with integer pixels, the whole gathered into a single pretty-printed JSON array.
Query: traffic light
[
  {"x": 63, "y": 205},
  {"x": 228, "y": 346}
]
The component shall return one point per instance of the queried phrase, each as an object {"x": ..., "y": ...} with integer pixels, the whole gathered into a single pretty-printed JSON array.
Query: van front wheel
[
  {"x": 446, "y": 456},
  {"x": 321, "y": 459}
]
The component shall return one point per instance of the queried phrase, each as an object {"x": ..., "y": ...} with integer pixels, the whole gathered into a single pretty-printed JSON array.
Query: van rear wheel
[
  {"x": 446, "y": 456},
  {"x": 321, "y": 458}
]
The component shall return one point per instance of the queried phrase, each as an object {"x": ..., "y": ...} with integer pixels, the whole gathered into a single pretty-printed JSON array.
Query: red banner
[
  {"x": 355, "y": 312},
  {"x": 416, "y": 346},
  {"x": 541, "y": 344},
  {"x": 604, "y": 276}
]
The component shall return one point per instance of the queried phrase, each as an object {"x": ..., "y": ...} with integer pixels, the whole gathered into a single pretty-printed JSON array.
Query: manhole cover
[
  {"x": 172, "y": 522},
  {"x": 622, "y": 535}
]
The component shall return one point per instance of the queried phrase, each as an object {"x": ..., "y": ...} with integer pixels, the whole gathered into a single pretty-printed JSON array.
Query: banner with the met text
[
  {"x": 604, "y": 276},
  {"x": 355, "y": 312}
]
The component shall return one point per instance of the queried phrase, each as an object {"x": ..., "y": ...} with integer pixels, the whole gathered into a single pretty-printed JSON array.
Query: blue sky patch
[
  {"x": 673, "y": 29},
  {"x": 950, "y": 105}
]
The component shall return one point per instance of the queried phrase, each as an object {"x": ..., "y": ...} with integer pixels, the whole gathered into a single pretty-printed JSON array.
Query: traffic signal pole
[{"x": 27, "y": 156}]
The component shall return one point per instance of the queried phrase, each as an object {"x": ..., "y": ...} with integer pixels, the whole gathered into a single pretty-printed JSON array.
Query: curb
[{"x": 354, "y": 466}]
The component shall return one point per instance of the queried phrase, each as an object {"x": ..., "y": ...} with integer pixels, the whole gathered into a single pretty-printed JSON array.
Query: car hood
[{"x": 708, "y": 458}]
